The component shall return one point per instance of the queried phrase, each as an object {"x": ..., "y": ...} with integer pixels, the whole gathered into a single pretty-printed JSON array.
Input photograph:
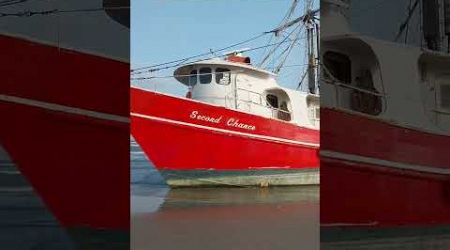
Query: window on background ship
[
  {"x": 366, "y": 102},
  {"x": 205, "y": 75},
  {"x": 339, "y": 66},
  {"x": 223, "y": 76},
  {"x": 444, "y": 93}
]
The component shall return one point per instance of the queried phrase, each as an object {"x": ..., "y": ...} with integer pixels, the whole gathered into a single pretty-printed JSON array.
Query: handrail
[
  {"x": 348, "y": 86},
  {"x": 441, "y": 111},
  {"x": 265, "y": 104}
]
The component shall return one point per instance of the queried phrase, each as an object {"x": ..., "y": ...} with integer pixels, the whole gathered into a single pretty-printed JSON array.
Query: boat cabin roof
[{"x": 182, "y": 73}]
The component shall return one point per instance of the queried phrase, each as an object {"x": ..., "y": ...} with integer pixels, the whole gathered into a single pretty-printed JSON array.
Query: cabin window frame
[
  {"x": 444, "y": 81},
  {"x": 203, "y": 76},
  {"x": 193, "y": 77},
  {"x": 275, "y": 98},
  {"x": 222, "y": 73},
  {"x": 339, "y": 59}
]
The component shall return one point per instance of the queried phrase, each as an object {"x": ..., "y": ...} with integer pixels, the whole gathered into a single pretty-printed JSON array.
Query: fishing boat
[
  {"x": 385, "y": 138},
  {"x": 236, "y": 125},
  {"x": 64, "y": 106}
]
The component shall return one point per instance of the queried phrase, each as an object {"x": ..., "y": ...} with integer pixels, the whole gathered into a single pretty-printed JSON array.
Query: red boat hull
[
  {"x": 64, "y": 125},
  {"x": 382, "y": 175},
  {"x": 179, "y": 144}
]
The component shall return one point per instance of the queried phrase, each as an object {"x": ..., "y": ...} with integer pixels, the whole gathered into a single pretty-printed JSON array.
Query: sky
[{"x": 166, "y": 30}]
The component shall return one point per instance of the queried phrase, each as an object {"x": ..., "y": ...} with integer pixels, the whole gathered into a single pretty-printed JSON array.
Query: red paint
[
  {"x": 353, "y": 134},
  {"x": 180, "y": 147},
  {"x": 358, "y": 193},
  {"x": 238, "y": 59},
  {"x": 78, "y": 165}
]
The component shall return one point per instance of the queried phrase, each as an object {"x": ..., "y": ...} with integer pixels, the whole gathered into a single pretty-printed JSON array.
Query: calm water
[{"x": 219, "y": 218}]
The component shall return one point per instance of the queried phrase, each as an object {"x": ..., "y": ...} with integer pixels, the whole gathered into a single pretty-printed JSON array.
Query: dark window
[
  {"x": 283, "y": 113},
  {"x": 272, "y": 100},
  {"x": 223, "y": 76},
  {"x": 193, "y": 77},
  {"x": 118, "y": 11},
  {"x": 445, "y": 96},
  {"x": 339, "y": 65},
  {"x": 205, "y": 75}
]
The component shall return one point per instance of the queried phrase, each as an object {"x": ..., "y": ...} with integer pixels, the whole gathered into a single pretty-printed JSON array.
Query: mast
[
  {"x": 309, "y": 22},
  {"x": 311, "y": 30}
]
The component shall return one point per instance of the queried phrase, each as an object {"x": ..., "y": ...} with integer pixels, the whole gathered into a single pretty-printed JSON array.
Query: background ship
[
  {"x": 64, "y": 106},
  {"x": 386, "y": 120}
]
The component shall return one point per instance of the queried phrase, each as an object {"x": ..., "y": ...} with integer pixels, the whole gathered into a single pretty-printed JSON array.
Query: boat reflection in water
[
  {"x": 26, "y": 222},
  {"x": 224, "y": 218},
  {"x": 399, "y": 238}
]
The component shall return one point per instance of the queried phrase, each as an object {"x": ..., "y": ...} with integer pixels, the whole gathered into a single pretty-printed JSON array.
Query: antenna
[{"x": 237, "y": 51}]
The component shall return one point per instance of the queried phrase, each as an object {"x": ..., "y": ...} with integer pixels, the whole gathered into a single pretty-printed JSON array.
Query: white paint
[
  {"x": 247, "y": 92},
  {"x": 384, "y": 163},
  {"x": 63, "y": 108},
  {"x": 77, "y": 31},
  {"x": 406, "y": 77},
  {"x": 226, "y": 131}
]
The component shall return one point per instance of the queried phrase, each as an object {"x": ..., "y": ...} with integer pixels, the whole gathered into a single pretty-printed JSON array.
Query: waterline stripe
[
  {"x": 385, "y": 163},
  {"x": 63, "y": 108},
  {"x": 261, "y": 137}
]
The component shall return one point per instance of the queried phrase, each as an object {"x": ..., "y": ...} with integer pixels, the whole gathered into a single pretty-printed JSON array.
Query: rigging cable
[
  {"x": 136, "y": 70},
  {"x": 11, "y": 2},
  {"x": 405, "y": 24},
  {"x": 172, "y": 66},
  {"x": 287, "y": 51},
  {"x": 276, "y": 47},
  {"x": 29, "y": 13}
]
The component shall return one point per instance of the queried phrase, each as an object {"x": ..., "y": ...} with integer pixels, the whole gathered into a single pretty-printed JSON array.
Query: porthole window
[
  {"x": 205, "y": 75},
  {"x": 223, "y": 76}
]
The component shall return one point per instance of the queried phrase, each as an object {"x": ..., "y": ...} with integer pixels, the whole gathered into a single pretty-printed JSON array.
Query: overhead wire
[
  {"x": 29, "y": 13},
  {"x": 405, "y": 24},
  {"x": 136, "y": 70},
  {"x": 11, "y": 2},
  {"x": 172, "y": 66},
  {"x": 172, "y": 76}
]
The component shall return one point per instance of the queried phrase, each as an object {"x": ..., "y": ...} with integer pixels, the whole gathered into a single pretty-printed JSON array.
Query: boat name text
[{"x": 231, "y": 122}]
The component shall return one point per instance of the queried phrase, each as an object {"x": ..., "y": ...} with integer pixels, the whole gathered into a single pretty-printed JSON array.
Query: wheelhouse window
[
  {"x": 272, "y": 100},
  {"x": 205, "y": 75},
  {"x": 193, "y": 77},
  {"x": 223, "y": 76},
  {"x": 444, "y": 93},
  {"x": 338, "y": 65}
]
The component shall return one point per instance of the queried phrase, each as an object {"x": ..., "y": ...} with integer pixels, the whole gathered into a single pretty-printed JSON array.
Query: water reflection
[
  {"x": 225, "y": 218},
  {"x": 26, "y": 223},
  {"x": 386, "y": 238}
]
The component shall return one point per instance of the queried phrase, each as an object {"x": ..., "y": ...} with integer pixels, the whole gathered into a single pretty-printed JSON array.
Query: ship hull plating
[
  {"x": 65, "y": 126},
  {"x": 381, "y": 174},
  {"x": 197, "y": 144}
]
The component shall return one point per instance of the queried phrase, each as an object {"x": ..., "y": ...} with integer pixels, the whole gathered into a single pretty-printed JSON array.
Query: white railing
[
  {"x": 276, "y": 113},
  {"x": 339, "y": 85}
]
